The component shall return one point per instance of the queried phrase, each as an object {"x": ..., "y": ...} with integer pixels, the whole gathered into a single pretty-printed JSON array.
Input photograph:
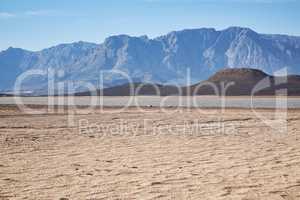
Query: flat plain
[
  {"x": 161, "y": 101},
  {"x": 150, "y": 153}
]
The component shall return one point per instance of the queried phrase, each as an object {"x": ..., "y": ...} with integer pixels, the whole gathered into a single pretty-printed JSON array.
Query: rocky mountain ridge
[{"x": 179, "y": 57}]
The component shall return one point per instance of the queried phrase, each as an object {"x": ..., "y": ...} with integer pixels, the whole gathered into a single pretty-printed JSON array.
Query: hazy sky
[{"x": 37, "y": 24}]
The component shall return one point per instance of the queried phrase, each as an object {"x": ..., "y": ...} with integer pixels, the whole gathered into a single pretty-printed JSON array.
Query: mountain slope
[{"x": 162, "y": 60}]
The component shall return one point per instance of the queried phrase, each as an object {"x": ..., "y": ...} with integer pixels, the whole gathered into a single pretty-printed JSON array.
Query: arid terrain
[{"x": 206, "y": 154}]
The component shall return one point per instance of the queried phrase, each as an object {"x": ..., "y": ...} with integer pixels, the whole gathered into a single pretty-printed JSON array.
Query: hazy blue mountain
[{"x": 163, "y": 60}]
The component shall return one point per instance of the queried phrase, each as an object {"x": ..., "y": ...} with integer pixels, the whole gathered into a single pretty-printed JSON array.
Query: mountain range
[{"x": 174, "y": 58}]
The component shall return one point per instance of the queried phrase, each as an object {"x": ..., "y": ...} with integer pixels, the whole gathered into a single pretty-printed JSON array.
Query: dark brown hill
[
  {"x": 134, "y": 89},
  {"x": 228, "y": 82},
  {"x": 245, "y": 81}
]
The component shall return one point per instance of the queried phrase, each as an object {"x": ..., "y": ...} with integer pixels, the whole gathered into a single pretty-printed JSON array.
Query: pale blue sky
[{"x": 38, "y": 24}]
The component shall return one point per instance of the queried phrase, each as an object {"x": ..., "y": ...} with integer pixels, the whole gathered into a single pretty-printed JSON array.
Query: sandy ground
[{"x": 154, "y": 154}]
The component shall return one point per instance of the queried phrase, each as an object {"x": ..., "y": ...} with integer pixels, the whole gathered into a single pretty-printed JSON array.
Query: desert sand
[{"x": 150, "y": 154}]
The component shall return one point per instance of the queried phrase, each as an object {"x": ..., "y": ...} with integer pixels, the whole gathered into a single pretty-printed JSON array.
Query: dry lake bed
[{"x": 160, "y": 101}]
